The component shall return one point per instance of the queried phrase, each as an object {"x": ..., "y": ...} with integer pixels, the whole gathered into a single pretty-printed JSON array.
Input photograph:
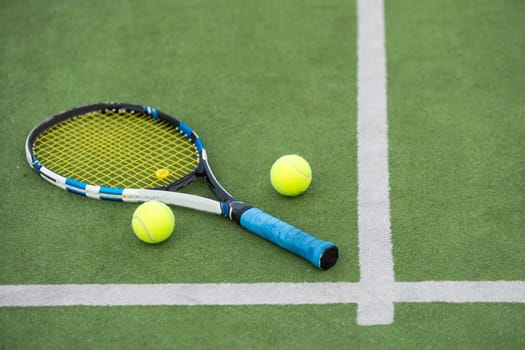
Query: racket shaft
[
  {"x": 175, "y": 198},
  {"x": 288, "y": 237}
]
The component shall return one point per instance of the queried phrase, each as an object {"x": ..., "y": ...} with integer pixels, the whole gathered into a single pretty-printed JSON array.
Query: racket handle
[{"x": 320, "y": 253}]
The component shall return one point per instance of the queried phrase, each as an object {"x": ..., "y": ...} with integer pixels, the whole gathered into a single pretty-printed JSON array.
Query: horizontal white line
[
  {"x": 460, "y": 292},
  {"x": 257, "y": 293},
  {"x": 178, "y": 294}
]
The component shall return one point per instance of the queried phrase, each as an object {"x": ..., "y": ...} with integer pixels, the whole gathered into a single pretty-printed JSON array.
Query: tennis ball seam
[
  {"x": 144, "y": 227},
  {"x": 293, "y": 165}
]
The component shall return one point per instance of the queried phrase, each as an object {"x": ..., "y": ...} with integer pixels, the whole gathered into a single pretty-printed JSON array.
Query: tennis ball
[
  {"x": 153, "y": 222},
  {"x": 291, "y": 175}
]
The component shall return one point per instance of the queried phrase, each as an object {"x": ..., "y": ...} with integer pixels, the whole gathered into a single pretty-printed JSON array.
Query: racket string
[{"x": 117, "y": 149}]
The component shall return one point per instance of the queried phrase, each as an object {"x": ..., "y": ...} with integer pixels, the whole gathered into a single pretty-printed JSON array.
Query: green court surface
[
  {"x": 256, "y": 80},
  {"x": 457, "y": 139}
]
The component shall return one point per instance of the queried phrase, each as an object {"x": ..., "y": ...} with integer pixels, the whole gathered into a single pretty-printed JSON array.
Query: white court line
[
  {"x": 460, "y": 292},
  {"x": 375, "y": 247},
  {"x": 255, "y": 293}
]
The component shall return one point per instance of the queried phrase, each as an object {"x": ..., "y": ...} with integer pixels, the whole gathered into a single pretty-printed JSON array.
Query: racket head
[{"x": 113, "y": 146}]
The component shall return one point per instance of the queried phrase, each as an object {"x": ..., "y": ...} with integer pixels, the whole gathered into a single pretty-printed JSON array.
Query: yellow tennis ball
[
  {"x": 291, "y": 175},
  {"x": 153, "y": 222}
]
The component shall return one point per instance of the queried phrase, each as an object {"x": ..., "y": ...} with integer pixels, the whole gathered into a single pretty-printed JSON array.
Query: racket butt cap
[{"x": 329, "y": 257}]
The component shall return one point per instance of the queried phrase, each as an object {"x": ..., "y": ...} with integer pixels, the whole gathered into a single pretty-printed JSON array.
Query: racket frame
[{"x": 133, "y": 194}]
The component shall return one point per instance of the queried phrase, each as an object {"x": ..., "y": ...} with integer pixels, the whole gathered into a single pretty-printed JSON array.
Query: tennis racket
[{"x": 132, "y": 153}]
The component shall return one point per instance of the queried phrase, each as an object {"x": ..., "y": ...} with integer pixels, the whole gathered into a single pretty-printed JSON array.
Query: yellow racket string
[{"x": 122, "y": 149}]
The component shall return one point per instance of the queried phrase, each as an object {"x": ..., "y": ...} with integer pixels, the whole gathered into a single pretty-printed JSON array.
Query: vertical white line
[{"x": 375, "y": 246}]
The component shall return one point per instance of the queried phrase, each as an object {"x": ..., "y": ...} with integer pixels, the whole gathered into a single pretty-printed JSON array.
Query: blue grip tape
[{"x": 285, "y": 235}]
